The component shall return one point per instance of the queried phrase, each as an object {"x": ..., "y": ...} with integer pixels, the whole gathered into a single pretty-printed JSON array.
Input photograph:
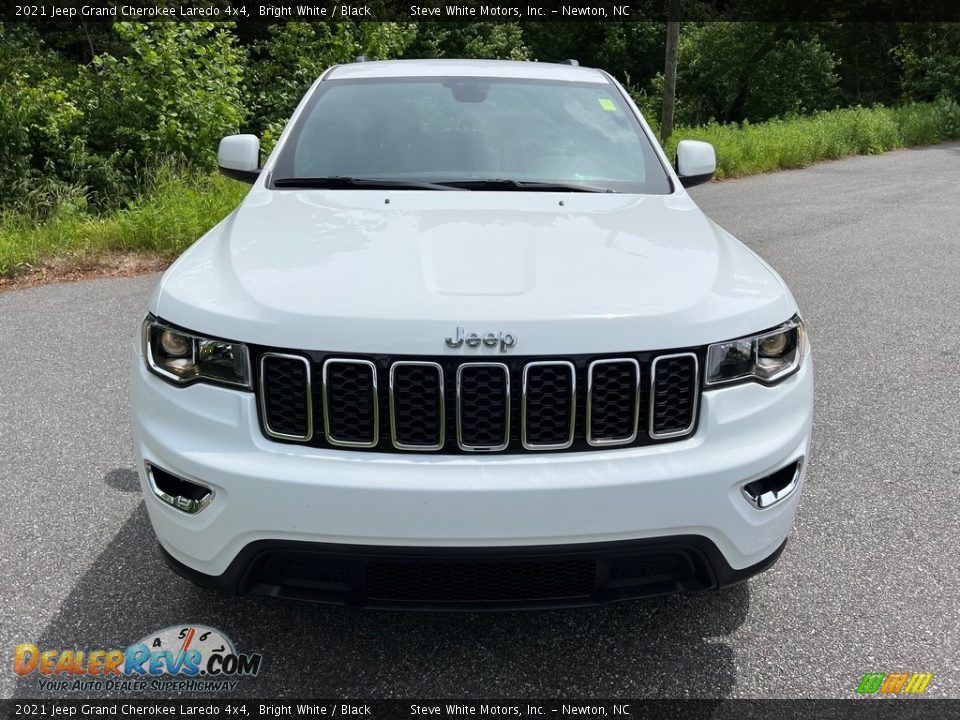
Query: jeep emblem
[{"x": 506, "y": 340}]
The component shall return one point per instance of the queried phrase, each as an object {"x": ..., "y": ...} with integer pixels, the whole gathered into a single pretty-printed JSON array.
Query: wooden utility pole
[{"x": 670, "y": 70}]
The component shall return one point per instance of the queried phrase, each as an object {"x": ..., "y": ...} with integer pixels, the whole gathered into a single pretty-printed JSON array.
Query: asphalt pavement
[{"x": 870, "y": 581}]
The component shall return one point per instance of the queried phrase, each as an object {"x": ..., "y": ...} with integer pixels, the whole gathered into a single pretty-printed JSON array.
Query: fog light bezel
[
  {"x": 771, "y": 498},
  {"x": 190, "y": 506}
]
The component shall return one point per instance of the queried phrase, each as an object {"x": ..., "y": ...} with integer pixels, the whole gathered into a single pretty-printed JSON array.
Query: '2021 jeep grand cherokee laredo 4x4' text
[{"x": 468, "y": 343}]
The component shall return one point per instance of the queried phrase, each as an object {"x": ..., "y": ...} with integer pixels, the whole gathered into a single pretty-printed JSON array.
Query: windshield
[{"x": 484, "y": 133}]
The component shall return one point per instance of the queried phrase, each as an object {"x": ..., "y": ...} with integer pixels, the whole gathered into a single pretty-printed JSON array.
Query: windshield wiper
[
  {"x": 339, "y": 182},
  {"x": 336, "y": 182},
  {"x": 528, "y": 185}
]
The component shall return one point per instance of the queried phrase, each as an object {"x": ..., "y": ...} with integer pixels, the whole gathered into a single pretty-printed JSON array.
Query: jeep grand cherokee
[{"x": 468, "y": 343}]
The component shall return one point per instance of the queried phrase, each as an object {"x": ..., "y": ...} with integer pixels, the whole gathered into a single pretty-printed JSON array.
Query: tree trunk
[{"x": 670, "y": 71}]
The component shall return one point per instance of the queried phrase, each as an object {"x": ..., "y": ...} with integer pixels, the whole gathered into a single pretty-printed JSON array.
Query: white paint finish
[
  {"x": 343, "y": 271},
  {"x": 239, "y": 152},
  {"x": 466, "y": 68},
  {"x": 695, "y": 157}
]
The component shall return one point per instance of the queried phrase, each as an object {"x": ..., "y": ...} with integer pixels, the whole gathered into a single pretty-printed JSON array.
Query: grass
[
  {"x": 163, "y": 221},
  {"x": 179, "y": 208},
  {"x": 800, "y": 141}
]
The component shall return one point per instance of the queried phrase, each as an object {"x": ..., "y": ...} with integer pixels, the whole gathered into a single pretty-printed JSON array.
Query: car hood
[{"x": 399, "y": 271}]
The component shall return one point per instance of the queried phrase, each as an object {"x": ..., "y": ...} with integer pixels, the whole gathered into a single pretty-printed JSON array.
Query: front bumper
[
  {"x": 266, "y": 492},
  {"x": 475, "y": 579}
]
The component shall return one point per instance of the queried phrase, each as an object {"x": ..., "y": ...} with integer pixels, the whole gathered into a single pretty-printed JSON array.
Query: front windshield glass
[{"x": 459, "y": 129}]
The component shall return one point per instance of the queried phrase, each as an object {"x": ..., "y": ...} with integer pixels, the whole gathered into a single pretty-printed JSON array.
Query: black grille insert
[
  {"x": 350, "y": 402},
  {"x": 673, "y": 395},
  {"x": 483, "y": 406},
  {"x": 416, "y": 405},
  {"x": 286, "y": 405},
  {"x": 549, "y": 405},
  {"x": 481, "y": 581},
  {"x": 653, "y": 567},
  {"x": 302, "y": 570},
  {"x": 613, "y": 401}
]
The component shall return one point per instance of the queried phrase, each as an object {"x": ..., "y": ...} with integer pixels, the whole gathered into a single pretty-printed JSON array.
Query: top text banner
[{"x": 477, "y": 10}]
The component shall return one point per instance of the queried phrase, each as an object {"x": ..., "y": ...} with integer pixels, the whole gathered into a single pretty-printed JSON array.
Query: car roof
[{"x": 466, "y": 68}]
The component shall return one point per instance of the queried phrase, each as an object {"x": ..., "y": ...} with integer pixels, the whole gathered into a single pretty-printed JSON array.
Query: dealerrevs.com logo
[
  {"x": 178, "y": 658},
  {"x": 899, "y": 683}
]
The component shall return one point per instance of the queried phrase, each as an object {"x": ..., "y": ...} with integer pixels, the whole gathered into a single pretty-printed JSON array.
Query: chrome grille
[
  {"x": 447, "y": 405},
  {"x": 417, "y": 418},
  {"x": 673, "y": 395},
  {"x": 350, "y": 407},
  {"x": 549, "y": 405},
  {"x": 613, "y": 401},
  {"x": 483, "y": 407},
  {"x": 285, "y": 396}
]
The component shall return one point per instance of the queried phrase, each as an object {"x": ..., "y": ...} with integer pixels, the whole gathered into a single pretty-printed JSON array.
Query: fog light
[{"x": 184, "y": 495}]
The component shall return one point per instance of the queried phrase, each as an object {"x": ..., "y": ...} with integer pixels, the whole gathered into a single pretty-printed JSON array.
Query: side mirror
[
  {"x": 696, "y": 162},
  {"x": 239, "y": 157}
]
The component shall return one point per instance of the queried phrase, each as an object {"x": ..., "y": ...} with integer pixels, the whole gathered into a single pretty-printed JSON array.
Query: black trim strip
[{"x": 247, "y": 176}]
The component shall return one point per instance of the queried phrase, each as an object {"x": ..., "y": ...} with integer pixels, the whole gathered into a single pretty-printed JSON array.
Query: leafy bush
[
  {"x": 73, "y": 136},
  {"x": 136, "y": 110},
  {"x": 40, "y": 126}
]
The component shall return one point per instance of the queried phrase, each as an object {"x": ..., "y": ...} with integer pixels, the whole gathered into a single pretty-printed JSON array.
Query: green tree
[
  {"x": 929, "y": 54},
  {"x": 630, "y": 51},
  {"x": 285, "y": 63},
  {"x": 867, "y": 69},
  {"x": 499, "y": 40},
  {"x": 734, "y": 71}
]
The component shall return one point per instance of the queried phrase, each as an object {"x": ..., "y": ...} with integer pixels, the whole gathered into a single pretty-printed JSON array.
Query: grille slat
[
  {"x": 417, "y": 417},
  {"x": 613, "y": 401},
  {"x": 549, "y": 404},
  {"x": 285, "y": 402},
  {"x": 350, "y": 412},
  {"x": 673, "y": 395},
  {"x": 483, "y": 407},
  {"x": 449, "y": 405}
]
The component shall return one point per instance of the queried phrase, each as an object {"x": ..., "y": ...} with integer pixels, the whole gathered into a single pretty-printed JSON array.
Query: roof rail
[{"x": 569, "y": 61}]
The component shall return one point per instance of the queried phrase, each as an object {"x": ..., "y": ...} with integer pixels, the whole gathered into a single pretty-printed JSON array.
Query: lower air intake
[{"x": 481, "y": 582}]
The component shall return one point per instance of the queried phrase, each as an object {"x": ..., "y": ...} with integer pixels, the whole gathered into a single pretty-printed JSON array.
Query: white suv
[{"x": 468, "y": 343}]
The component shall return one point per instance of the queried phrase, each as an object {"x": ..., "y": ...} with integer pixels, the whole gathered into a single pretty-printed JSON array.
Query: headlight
[
  {"x": 767, "y": 357},
  {"x": 184, "y": 357}
]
